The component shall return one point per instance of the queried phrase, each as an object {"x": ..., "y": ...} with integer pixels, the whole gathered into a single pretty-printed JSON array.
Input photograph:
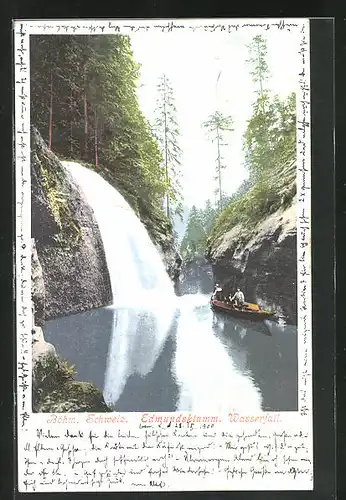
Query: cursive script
[{"x": 152, "y": 458}]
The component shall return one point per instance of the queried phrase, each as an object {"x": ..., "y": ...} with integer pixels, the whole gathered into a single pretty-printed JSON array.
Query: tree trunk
[
  {"x": 96, "y": 144},
  {"x": 166, "y": 145},
  {"x": 71, "y": 126},
  {"x": 85, "y": 127},
  {"x": 51, "y": 113},
  {"x": 260, "y": 76},
  {"x": 219, "y": 167}
]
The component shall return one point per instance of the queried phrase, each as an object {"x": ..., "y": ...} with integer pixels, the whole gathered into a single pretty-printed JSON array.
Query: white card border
[{"x": 22, "y": 31}]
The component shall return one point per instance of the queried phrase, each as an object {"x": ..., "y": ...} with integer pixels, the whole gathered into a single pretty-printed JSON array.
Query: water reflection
[
  {"x": 271, "y": 358},
  {"x": 83, "y": 339},
  {"x": 138, "y": 339},
  {"x": 209, "y": 378}
]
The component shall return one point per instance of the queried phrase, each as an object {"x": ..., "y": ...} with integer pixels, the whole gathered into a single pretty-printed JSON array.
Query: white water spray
[
  {"x": 133, "y": 262},
  {"x": 142, "y": 291}
]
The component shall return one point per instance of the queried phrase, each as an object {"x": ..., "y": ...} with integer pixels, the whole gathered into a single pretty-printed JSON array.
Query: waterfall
[
  {"x": 144, "y": 301},
  {"x": 134, "y": 264}
]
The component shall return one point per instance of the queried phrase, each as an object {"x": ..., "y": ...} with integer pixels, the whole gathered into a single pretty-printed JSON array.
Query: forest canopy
[{"x": 84, "y": 104}]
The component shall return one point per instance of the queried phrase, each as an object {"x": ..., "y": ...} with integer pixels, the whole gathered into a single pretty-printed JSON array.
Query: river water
[
  {"x": 206, "y": 361},
  {"x": 156, "y": 350}
]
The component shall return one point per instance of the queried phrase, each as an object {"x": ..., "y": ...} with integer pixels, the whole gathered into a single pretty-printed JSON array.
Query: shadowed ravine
[{"x": 155, "y": 351}]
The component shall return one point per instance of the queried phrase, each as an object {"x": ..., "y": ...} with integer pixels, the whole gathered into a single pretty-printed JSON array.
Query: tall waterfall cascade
[
  {"x": 143, "y": 293},
  {"x": 135, "y": 266}
]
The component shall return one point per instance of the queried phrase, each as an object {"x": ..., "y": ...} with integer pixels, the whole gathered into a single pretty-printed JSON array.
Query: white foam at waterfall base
[
  {"x": 133, "y": 262},
  {"x": 143, "y": 294}
]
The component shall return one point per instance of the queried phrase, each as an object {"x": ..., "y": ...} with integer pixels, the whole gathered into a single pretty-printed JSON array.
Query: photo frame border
[{"x": 322, "y": 143}]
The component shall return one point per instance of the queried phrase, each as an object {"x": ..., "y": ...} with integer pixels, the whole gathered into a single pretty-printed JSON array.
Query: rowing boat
[{"x": 249, "y": 311}]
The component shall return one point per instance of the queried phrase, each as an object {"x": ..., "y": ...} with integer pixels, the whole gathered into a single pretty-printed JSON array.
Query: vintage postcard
[{"x": 163, "y": 255}]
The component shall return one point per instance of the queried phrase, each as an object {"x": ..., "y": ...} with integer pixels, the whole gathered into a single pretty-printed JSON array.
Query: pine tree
[
  {"x": 193, "y": 243},
  {"x": 167, "y": 132},
  {"x": 209, "y": 215},
  {"x": 216, "y": 125},
  {"x": 259, "y": 67},
  {"x": 271, "y": 129}
]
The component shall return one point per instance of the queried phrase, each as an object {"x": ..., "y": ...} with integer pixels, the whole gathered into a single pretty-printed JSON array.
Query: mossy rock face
[
  {"x": 68, "y": 241},
  {"x": 56, "y": 391},
  {"x": 73, "y": 397},
  {"x": 37, "y": 288},
  {"x": 274, "y": 192},
  {"x": 253, "y": 244}
]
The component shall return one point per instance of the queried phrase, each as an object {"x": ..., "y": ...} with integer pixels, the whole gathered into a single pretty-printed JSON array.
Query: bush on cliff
[
  {"x": 55, "y": 390},
  {"x": 259, "y": 202}
]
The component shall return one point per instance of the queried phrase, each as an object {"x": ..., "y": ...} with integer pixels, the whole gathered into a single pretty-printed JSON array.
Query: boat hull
[{"x": 252, "y": 313}]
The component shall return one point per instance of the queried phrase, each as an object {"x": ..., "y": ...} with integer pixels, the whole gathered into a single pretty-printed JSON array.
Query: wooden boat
[{"x": 249, "y": 311}]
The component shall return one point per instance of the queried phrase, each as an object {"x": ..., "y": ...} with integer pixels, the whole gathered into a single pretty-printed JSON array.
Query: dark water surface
[{"x": 195, "y": 360}]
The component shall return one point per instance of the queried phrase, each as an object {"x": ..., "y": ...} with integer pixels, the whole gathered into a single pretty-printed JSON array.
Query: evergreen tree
[
  {"x": 167, "y": 132},
  {"x": 216, "y": 125},
  {"x": 209, "y": 215},
  {"x": 270, "y": 133},
  {"x": 193, "y": 243},
  {"x": 259, "y": 68},
  {"x": 199, "y": 225}
]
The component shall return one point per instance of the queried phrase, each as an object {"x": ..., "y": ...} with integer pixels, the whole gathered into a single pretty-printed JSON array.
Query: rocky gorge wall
[
  {"x": 67, "y": 238},
  {"x": 54, "y": 388},
  {"x": 262, "y": 261}
]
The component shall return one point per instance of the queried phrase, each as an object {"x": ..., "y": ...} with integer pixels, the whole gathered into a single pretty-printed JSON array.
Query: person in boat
[
  {"x": 238, "y": 299},
  {"x": 217, "y": 294}
]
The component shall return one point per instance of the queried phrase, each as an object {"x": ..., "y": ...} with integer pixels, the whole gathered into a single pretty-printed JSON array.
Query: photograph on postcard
[
  {"x": 165, "y": 203},
  {"x": 163, "y": 169}
]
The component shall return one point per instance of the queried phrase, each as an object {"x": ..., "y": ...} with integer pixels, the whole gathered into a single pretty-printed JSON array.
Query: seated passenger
[{"x": 238, "y": 298}]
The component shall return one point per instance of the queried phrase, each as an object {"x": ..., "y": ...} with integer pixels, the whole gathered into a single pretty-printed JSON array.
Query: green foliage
[
  {"x": 248, "y": 208},
  {"x": 70, "y": 232},
  {"x": 270, "y": 137},
  {"x": 92, "y": 81},
  {"x": 55, "y": 390},
  {"x": 50, "y": 373},
  {"x": 199, "y": 224},
  {"x": 258, "y": 64}
]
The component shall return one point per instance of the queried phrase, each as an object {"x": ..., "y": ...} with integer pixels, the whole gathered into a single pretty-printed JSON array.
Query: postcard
[{"x": 163, "y": 255}]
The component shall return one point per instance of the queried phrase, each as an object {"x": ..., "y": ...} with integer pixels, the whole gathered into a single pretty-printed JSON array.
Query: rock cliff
[
  {"x": 261, "y": 261},
  {"x": 68, "y": 274},
  {"x": 54, "y": 388},
  {"x": 67, "y": 238}
]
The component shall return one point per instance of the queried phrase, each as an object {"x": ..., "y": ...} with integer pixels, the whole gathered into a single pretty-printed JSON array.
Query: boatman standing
[
  {"x": 217, "y": 295},
  {"x": 238, "y": 298}
]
